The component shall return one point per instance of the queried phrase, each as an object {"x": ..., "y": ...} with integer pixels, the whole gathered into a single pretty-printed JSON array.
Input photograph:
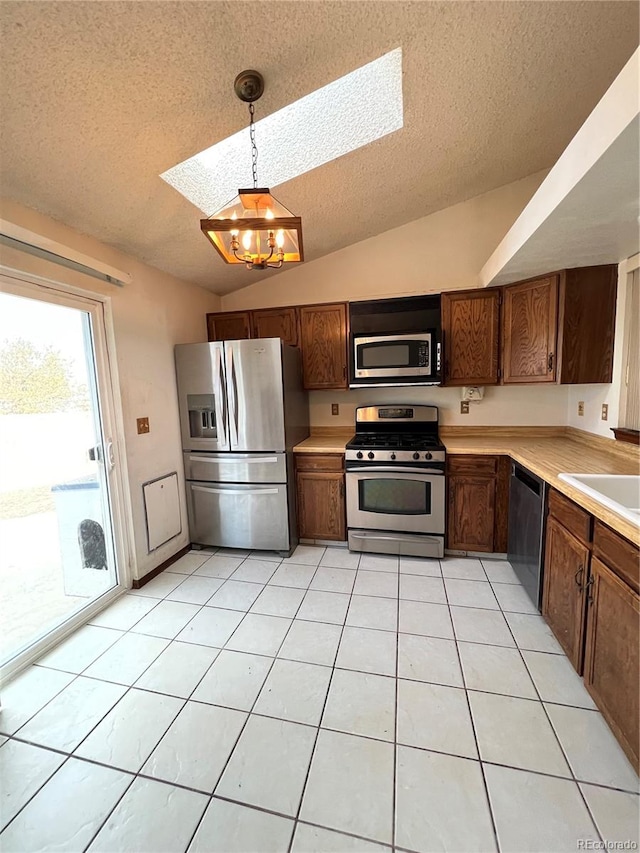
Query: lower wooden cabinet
[
  {"x": 591, "y": 602},
  {"x": 320, "y": 496},
  {"x": 477, "y": 504},
  {"x": 612, "y": 660},
  {"x": 563, "y": 601}
]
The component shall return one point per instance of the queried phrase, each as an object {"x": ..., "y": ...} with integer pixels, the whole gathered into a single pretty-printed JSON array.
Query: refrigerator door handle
[
  {"x": 233, "y": 416},
  {"x": 251, "y": 460},
  {"x": 270, "y": 491},
  {"x": 220, "y": 399}
]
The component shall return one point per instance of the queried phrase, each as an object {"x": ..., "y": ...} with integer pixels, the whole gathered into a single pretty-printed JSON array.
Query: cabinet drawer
[
  {"x": 472, "y": 465},
  {"x": 617, "y": 553},
  {"x": 576, "y": 520},
  {"x": 319, "y": 462}
]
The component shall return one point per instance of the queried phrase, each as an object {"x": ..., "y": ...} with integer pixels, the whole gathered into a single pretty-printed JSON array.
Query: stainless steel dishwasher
[{"x": 526, "y": 529}]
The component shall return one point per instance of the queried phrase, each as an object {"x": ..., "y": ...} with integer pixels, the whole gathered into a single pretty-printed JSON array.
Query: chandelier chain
[{"x": 254, "y": 148}]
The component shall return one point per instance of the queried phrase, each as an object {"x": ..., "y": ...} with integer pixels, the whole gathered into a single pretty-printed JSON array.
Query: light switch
[
  {"x": 143, "y": 425},
  {"x": 464, "y": 407},
  {"x": 335, "y": 408},
  {"x": 581, "y": 408}
]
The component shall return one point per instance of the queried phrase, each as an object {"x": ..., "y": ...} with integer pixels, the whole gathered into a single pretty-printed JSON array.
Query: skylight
[{"x": 342, "y": 116}]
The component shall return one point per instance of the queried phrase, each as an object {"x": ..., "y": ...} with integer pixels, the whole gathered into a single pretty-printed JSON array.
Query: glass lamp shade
[{"x": 263, "y": 232}]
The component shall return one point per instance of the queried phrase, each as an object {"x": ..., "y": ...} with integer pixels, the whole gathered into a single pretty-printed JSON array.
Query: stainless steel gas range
[{"x": 395, "y": 481}]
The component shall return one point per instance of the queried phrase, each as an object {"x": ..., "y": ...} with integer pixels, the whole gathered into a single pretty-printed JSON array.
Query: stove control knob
[
  {"x": 428, "y": 455},
  {"x": 370, "y": 455},
  {"x": 416, "y": 455},
  {"x": 393, "y": 457},
  {"x": 359, "y": 454}
]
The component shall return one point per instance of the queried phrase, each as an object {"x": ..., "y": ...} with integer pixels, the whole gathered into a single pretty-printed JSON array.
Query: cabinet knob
[
  {"x": 550, "y": 362},
  {"x": 578, "y": 578}
]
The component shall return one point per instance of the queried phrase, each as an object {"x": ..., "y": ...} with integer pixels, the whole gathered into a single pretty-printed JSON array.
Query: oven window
[
  {"x": 383, "y": 355},
  {"x": 395, "y": 497}
]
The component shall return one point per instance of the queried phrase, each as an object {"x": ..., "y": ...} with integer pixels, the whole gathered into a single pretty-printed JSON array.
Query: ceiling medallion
[{"x": 254, "y": 229}]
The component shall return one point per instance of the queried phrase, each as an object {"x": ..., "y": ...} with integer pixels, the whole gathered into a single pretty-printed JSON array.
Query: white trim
[
  {"x": 33, "y": 240},
  {"x": 43, "y": 644},
  {"x": 631, "y": 264},
  {"x": 99, "y": 306}
]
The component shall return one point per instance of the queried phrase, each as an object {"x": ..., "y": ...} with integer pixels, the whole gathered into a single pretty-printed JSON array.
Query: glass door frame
[{"x": 98, "y": 306}]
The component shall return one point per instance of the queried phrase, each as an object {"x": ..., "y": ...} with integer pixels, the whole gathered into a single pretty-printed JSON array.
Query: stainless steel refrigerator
[{"x": 242, "y": 410}]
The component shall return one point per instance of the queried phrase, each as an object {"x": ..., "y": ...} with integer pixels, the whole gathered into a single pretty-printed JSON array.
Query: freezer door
[
  {"x": 254, "y": 391},
  {"x": 235, "y": 467},
  {"x": 239, "y": 515},
  {"x": 202, "y": 396}
]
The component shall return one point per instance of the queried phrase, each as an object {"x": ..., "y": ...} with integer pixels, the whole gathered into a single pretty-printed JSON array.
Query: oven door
[
  {"x": 392, "y": 357},
  {"x": 401, "y": 499}
]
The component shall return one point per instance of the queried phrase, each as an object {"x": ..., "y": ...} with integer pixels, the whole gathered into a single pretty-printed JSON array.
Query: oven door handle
[{"x": 395, "y": 469}]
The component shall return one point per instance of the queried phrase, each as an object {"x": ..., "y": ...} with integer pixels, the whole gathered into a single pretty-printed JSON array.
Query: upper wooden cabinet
[
  {"x": 276, "y": 323},
  {"x": 470, "y": 328},
  {"x": 323, "y": 340},
  {"x": 230, "y": 326},
  {"x": 560, "y": 328},
  {"x": 319, "y": 330},
  {"x": 529, "y": 331}
]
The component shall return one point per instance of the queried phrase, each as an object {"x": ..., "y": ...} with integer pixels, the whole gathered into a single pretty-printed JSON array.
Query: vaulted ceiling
[{"x": 97, "y": 99}]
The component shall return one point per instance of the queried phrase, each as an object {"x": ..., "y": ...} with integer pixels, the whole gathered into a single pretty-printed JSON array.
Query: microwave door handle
[{"x": 438, "y": 356}]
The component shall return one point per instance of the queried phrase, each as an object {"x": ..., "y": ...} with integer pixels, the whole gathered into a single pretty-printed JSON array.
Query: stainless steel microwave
[{"x": 395, "y": 359}]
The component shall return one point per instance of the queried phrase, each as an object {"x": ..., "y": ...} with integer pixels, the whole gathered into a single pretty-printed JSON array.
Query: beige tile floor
[{"x": 328, "y": 702}]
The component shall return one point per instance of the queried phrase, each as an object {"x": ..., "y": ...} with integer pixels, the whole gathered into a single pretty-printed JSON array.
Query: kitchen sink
[{"x": 618, "y": 492}]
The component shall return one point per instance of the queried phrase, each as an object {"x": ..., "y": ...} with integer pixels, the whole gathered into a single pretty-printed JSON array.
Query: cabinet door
[
  {"x": 612, "y": 662},
  {"x": 471, "y": 512},
  {"x": 323, "y": 339},
  {"x": 276, "y": 323},
  {"x": 529, "y": 331},
  {"x": 321, "y": 505},
  {"x": 566, "y": 566},
  {"x": 470, "y": 325},
  {"x": 228, "y": 327}
]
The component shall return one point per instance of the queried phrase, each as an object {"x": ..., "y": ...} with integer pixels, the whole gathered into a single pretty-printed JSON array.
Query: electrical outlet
[
  {"x": 464, "y": 407},
  {"x": 143, "y": 425},
  {"x": 581, "y": 408},
  {"x": 605, "y": 411},
  {"x": 335, "y": 408}
]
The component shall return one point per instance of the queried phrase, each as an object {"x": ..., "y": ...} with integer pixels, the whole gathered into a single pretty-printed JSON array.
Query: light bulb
[
  {"x": 269, "y": 214},
  {"x": 246, "y": 240},
  {"x": 280, "y": 239}
]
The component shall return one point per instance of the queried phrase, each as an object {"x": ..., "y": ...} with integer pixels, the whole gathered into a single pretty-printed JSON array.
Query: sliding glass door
[{"x": 59, "y": 553}]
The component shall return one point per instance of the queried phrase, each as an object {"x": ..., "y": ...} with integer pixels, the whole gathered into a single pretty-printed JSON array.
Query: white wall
[
  {"x": 150, "y": 315},
  {"x": 443, "y": 251},
  {"x": 593, "y": 396},
  {"x": 508, "y": 406}
]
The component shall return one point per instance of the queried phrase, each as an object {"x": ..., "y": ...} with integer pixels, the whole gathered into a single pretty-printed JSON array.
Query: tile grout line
[
  {"x": 559, "y": 742},
  {"x": 492, "y": 817},
  {"x": 394, "y": 797},
  {"x": 324, "y": 705},
  {"x": 129, "y": 687},
  {"x": 249, "y": 713}
]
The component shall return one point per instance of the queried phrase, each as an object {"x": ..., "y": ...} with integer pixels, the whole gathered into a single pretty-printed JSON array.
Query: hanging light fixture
[{"x": 254, "y": 229}]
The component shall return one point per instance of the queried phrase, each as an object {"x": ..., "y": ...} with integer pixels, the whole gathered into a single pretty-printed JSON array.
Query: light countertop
[{"x": 545, "y": 453}]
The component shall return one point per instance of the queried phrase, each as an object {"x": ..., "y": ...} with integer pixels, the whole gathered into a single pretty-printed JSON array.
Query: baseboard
[{"x": 140, "y": 582}]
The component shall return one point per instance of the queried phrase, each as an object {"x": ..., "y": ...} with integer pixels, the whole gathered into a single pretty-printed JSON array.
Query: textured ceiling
[{"x": 97, "y": 99}]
